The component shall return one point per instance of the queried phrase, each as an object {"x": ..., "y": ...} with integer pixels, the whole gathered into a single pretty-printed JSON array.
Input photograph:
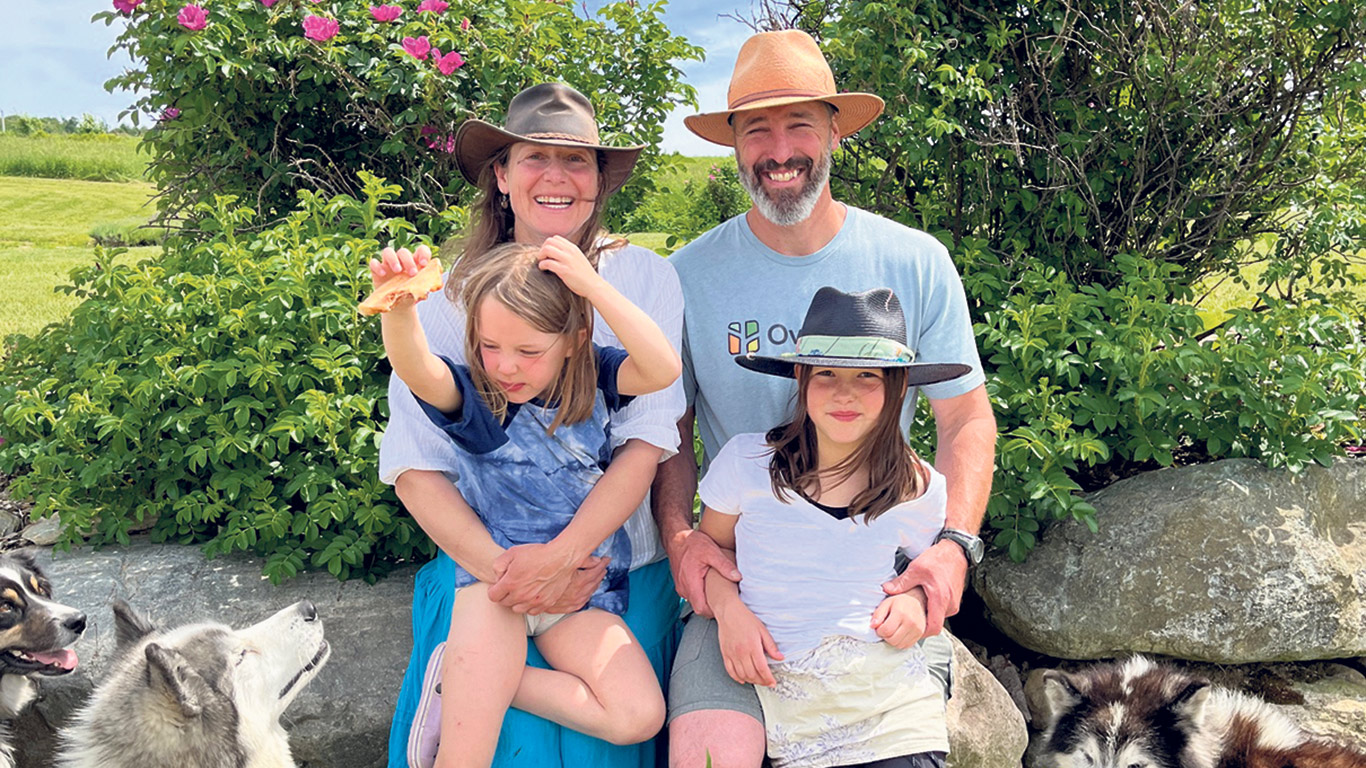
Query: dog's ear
[
  {"x": 26, "y": 558},
  {"x": 129, "y": 627},
  {"x": 1061, "y": 692},
  {"x": 1189, "y": 702},
  {"x": 168, "y": 674}
]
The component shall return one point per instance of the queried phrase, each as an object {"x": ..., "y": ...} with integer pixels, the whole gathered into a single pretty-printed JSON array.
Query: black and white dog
[
  {"x": 1139, "y": 714},
  {"x": 35, "y": 635}
]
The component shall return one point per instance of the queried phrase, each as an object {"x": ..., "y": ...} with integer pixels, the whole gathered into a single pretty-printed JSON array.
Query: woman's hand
[
  {"x": 900, "y": 619},
  {"x": 746, "y": 645},
  {"x": 532, "y": 578},
  {"x": 562, "y": 257},
  {"x": 400, "y": 262}
]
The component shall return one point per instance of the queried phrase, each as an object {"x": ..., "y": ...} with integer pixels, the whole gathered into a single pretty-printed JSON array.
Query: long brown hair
[
  {"x": 492, "y": 223},
  {"x": 895, "y": 473},
  {"x": 509, "y": 275}
]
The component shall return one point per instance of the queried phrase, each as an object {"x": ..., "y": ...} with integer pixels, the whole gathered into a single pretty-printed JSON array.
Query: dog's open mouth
[
  {"x": 314, "y": 663},
  {"x": 59, "y": 662}
]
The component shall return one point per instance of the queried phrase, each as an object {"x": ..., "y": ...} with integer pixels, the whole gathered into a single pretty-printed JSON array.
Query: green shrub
[
  {"x": 131, "y": 232},
  {"x": 689, "y": 210},
  {"x": 1091, "y": 384},
  {"x": 249, "y": 106},
  {"x": 228, "y": 392}
]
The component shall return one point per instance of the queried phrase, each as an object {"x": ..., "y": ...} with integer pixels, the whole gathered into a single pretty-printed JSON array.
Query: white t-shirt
[{"x": 808, "y": 575}]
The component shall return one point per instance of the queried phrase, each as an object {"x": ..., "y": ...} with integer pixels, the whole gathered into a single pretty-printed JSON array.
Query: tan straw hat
[
  {"x": 549, "y": 113},
  {"x": 778, "y": 68}
]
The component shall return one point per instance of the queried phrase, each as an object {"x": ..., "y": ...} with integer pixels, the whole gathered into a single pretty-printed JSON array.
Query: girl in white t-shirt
[{"x": 816, "y": 511}]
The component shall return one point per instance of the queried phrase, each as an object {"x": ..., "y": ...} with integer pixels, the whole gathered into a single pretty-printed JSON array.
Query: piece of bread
[{"x": 388, "y": 293}]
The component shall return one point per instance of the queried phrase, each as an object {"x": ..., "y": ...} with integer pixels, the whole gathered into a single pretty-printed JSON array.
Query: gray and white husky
[
  {"x": 1140, "y": 714},
  {"x": 197, "y": 696},
  {"x": 35, "y": 632}
]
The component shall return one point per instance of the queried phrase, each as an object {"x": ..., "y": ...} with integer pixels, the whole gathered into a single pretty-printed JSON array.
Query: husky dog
[
  {"x": 198, "y": 696},
  {"x": 34, "y": 634},
  {"x": 1143, "y": 715}
]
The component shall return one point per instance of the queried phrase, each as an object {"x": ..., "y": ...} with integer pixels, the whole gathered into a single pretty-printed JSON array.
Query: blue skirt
[{"x": 527, "y": 740}]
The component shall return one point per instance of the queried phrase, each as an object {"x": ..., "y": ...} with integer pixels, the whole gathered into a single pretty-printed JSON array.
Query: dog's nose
[
  {"x": 76, "y": 624},
  {"x": 307, "y": 610}
]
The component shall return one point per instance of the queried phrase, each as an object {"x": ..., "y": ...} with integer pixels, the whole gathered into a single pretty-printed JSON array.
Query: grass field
[
  {"x": 44, "y": 234},
  {"x": 89, "y": 157}
]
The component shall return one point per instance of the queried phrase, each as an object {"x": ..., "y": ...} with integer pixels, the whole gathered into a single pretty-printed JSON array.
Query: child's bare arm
[
  {"x": 746, "y": 644},
  {"x": 404, "y": 341},
  {"x": 652, "y": 363},
  {"x": 900, "y": 619}
]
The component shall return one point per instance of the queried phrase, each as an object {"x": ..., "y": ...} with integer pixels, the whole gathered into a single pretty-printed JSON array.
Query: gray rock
[
  {"x": 340, "y": 721},
  {"x": 1334, "y": 705},
  {"x": 986, "y": 730},
  {"x": 44, "y": 531},
  {"x": 1227, "y": 562}
]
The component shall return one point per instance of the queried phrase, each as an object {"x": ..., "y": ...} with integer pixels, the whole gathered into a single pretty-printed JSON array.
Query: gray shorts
[{"x": 699, "y": 680}]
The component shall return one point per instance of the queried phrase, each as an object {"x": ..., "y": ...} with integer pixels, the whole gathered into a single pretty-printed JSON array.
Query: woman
[{"x": 543, "y": 174}]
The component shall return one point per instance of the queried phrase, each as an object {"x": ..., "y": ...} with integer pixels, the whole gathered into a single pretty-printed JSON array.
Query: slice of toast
[{"x": 388, "y": 293}]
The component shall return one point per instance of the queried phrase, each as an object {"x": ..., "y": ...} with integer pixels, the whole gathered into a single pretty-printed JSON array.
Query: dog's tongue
[{"x": 65, "y": 658}]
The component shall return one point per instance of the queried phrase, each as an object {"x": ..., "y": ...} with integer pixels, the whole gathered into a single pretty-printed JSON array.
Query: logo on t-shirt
[{"x": 743, "y": 337}]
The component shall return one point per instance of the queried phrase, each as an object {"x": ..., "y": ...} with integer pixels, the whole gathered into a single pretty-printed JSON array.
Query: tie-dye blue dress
[{"x": 525, "y": 484}]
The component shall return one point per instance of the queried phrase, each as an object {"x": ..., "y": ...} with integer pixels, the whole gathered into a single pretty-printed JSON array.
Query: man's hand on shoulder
[{"x": 941, "y": 571}]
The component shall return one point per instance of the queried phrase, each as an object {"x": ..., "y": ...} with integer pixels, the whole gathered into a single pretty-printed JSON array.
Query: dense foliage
[
  {"x": 226, "y": 392},
  {"x": 691, "y": 208},
  {"x": 1090, "y": 164},
  {"x": 260, "y": 99}
]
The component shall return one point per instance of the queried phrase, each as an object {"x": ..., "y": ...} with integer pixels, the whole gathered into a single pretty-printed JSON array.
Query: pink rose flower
[
  {"x": 193, "y": 18},
  {"x": 448, "y": 63},
  {"x": 169, "y": 113},
  {"x": 126, "y": 6},
  {"x": 268, "y": 3},
  {"x": 320, "y": 28},
  {"x": 417, "y": 47},
  {"x": 385, "y": 13},
  {"x": 433, "y": 6}
]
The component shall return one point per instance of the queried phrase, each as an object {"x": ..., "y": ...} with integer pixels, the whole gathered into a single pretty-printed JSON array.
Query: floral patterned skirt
[{"x": 850, "y": 701}]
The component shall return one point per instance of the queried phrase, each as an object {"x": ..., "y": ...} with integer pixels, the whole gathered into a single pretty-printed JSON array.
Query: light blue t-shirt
[{"x": 740, "y": 297}]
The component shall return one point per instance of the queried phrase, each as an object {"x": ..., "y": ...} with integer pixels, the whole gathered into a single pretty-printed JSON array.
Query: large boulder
[
  {"x": 986, "y": 729},
  {"x": 1228, "y": 562},
  {"x": 341, "y": 720}
]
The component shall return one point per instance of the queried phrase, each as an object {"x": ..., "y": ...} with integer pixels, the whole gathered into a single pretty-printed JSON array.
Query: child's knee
[{"x": 637, "y": 720}]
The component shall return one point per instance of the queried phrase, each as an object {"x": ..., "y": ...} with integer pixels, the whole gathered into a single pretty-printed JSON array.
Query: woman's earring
[{"x": 503, "y": 201}]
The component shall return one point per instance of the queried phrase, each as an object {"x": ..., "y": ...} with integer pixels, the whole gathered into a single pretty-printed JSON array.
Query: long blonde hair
[
  {"x": 895, "y": 473},
  {"x": 509, "y": 275}
]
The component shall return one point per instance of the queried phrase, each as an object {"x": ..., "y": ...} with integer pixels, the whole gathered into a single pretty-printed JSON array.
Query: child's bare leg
[
  {"x": 602, "y": 683},
  {"x": 485, "y": 656}
]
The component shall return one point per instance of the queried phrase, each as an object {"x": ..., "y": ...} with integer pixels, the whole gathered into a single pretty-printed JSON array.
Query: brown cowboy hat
[
  {"x": 549, "y": 113},
  {"x": 779, "y": 68}
]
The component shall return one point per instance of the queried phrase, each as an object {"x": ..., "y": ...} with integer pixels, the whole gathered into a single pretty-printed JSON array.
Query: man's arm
[
  {"x": 691, "y": 553},
  {"x": 966, "y": 456}
]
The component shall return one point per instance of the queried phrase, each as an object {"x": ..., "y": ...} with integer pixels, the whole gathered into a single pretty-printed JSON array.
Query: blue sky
[{"x": 55, "y": 61}]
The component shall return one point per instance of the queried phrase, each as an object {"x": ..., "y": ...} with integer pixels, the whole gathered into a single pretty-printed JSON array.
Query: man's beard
[{"x": 787, "y": 207}]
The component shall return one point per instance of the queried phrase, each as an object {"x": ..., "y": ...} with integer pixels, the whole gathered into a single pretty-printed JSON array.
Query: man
[{"x": 746, "y": 284}]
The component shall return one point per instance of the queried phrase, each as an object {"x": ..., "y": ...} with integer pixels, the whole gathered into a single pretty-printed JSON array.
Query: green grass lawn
[
  {"x": 90, "y": 157},
  {"x": 45, "y": 232}
]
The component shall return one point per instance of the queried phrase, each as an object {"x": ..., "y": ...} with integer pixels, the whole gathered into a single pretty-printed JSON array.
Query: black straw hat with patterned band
[
  {"x": 549, "y": 113},
  {"x": 854, "y": 330}
]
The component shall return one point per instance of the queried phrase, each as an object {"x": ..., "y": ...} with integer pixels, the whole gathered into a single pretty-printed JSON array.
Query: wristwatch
[{"x": 973, "y": 548}]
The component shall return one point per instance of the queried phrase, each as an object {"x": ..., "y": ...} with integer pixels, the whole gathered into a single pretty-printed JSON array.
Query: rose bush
[{"x": 273, "y": 97}]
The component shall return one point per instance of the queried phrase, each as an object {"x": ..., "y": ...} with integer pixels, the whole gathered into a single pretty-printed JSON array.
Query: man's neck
[{"x": 805, "y": 237}]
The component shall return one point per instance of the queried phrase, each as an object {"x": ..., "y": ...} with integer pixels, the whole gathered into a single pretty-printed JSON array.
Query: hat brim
[
  {"x": 917, "y": 374},
  {"x": 476, "y": 141},
  {"x": 855, "y": 112}
]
